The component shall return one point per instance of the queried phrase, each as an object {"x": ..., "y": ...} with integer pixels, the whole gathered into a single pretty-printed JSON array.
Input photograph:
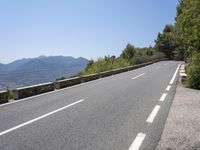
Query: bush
[
  {"x": 141, "y": 59},
  {"x": 194, "y": 72},
  {"x": 158, "y": 55},
  {"x": 105, "y": 64},
  {"x": 121, "y": 63},
  {"x": 10, "y": 94}
]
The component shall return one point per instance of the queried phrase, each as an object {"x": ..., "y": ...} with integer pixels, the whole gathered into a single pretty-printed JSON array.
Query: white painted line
[
  {"x": 59, "y": 90},
  {"x": 138, "y": 76},
  {"x": 138, "y": 141},
  {"x": 39, "y": 118},
  {"x": 165, "y": 64},
  {"x": 153, "y": 114},
  {"x": 174, "y": 76},
  {"x": 162, "y": 98},
  {"x": 39, "y": 95},
  {"x": 168, "y": 88}
]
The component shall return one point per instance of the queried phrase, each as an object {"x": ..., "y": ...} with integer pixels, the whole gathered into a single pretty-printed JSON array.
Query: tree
[
  {"x": 194, "y": 72},
  {"x": 129, "y": 52},
  {"x": 187, "y": 26},
  {"x": 113, "y": 58},
  {"x": 110, "y": 59},
  {"x": 165, "y": 42},
  {"x": 89, "y": 64},
  {"x": 187, "y": 33},
  {"x": 149, "y": 52}
]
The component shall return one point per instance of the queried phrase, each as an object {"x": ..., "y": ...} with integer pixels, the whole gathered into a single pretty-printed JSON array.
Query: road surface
[{"x": 121, "y": 112}]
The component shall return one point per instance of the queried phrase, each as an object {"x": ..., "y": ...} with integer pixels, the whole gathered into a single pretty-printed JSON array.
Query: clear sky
[{"x": 87, "y": 28}]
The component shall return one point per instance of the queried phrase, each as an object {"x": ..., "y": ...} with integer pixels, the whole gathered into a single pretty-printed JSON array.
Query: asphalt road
[{"x": 121, "y": 112}]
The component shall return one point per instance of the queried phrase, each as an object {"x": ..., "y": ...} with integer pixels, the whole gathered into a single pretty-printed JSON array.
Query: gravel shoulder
[{"x": 182, "y": 128}]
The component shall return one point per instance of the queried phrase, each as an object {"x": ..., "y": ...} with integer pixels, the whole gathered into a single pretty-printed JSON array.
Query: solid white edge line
[
  {"x": 153, "y": 114},
  {"x": 39, "y": 118},
  {"x": 138, "y": 141},
  {"x": 138, "y": 76},
  {"x": 174, "y": 76},
  {"x": 162, "y": 98},
  {"x": 168, "y": 88}
]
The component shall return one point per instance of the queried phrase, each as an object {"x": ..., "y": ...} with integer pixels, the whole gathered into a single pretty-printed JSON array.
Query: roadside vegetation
[
  {"x": 180, "y": 41},
  {"x": 10, "y": 94},
  {"x": 183, "y": 39},
  {"x": 129, "y": 56}
]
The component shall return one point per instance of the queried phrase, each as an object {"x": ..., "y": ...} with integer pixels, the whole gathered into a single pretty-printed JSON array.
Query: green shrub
[
  {"x": 158, "y": 55},
  {"x": 10, "y": 94},
  {"x": 121, "y": 63},
  {"x": 141, "y": 59},
  {"x": 105, "y": 64},
  {"x": 194, "y": 72}
]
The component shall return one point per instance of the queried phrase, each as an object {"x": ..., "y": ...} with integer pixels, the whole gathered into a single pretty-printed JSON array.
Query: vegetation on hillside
[
  {"x": 187, "y": 29},
  {"x": 129, "y": 56},
  {"x": 180, "y": 41}
]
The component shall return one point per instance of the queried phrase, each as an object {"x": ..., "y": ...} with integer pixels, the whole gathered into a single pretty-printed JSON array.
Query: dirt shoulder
[{"x": 182, "y": 128}]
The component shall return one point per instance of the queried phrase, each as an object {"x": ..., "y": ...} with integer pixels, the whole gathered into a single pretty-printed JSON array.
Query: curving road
[{"x": 121, "y": 112}]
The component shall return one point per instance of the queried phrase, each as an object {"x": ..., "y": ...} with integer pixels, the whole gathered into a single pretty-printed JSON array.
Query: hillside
[{"x": 38, "y": 70}]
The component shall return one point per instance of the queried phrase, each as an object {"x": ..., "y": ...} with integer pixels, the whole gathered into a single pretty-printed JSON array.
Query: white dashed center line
[
  {"x": 39, "y": 118},
  {"x": 138, "y": 141},
  {"x": 162, "y": 98},
  {"x": 153, "y": 114},
  {"x": 168, "y": 88},
  {"x": 141, "y": 136},
  {"x": 138, "y": 76}
]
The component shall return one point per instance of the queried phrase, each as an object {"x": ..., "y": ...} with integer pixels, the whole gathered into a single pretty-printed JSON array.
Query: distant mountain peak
[
  {"x": 29, "y": 71},
  {"x": 42, "y": 56}
]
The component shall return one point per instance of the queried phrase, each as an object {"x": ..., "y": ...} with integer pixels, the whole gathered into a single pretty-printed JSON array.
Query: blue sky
[{"x": 87, "y": 28}]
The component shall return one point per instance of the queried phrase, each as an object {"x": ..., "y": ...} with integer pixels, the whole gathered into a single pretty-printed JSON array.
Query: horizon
[
  {"x": 89, "y": 29},
  {"x": 42, "y": 56}
]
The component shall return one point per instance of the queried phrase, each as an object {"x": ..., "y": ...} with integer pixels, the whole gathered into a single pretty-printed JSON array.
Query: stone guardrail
[
  {"x": 28, "y": 91},
  {"x": 183, "y": 75},
  {"x": 74, "y": 81},
  {"x": 3, "y": 97},
  {"x": 24, "y": 92},
  {"x": 78, "y": 80}
]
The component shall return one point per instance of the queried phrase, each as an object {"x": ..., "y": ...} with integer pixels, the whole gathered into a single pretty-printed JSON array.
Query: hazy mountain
[{"x": 39, "y": 70}]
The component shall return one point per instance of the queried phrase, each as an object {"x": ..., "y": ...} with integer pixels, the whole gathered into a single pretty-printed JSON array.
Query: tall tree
[
  {"x": 129, "y": 52},
  {"x": 165, "y": 42},
  {"x": 187, "y": 26},
  {"x": 187, "y": 31}
]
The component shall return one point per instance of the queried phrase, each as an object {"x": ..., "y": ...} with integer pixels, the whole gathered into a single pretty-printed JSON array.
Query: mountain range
[{"x": 29, "y": 71}]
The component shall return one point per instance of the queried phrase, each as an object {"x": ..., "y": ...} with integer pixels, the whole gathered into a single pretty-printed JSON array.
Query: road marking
[
  {"x": 153, "y": 114},
  {"x": 138, "y": 76},
  {"x": 165, "y": 64},
  {"x": 162, "y": 98},
  {"x": 55, "y": 91},
  {"x": 39, "y": 118},
  {"x": 174, "y": 76},
  {"x": 168, "y": 88},
  {"x": 138, "y": 141}
]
